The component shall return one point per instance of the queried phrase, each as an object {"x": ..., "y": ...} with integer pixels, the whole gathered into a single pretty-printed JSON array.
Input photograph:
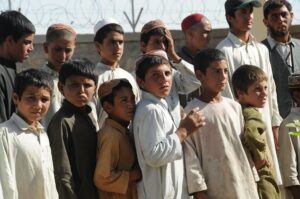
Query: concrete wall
[{"x": 85, "y": 47}]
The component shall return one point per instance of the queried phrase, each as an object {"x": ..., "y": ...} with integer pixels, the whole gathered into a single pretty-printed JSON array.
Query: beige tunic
[{"x": 115, "y": 158}]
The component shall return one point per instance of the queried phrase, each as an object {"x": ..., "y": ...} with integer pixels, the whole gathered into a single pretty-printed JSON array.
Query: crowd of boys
[{"x": 202, "y": 123}]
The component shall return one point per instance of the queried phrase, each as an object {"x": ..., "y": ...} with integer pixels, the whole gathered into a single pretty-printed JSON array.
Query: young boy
[
  {"x": 16, "y": 43},
  {"x": 115, "y": 175},
  {"x": 216, "y": 163},
  {"x": 155, "y": 36},
  {"x": 250, "y": 86},
  {"x": 109, "y": 42},
  {"x": 240, "y": 47},
  {"x": 289, "y": 151},
  {"x": 59, "y": 46},
  {"x": 157, "y": 138},
  {"x": 72, "y": 133},
  {"x": 26, "y": 167}
]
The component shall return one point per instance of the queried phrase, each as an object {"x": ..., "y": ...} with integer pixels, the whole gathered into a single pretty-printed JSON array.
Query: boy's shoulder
[
  {"x": 293, "y": 115},
  {"x": 225, "y": 101}
]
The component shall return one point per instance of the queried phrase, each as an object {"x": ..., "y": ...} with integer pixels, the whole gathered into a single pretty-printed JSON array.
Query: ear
[
  {"x": 199, "y": 75},
  {"x": 98, "y": 46},
  {"x": 45, "y": 47},
  {"x": 292, "y": 16},
  {"x": 240, "y": 94},
  {"x": 265, "y": 22},
  {"x": 140, "y": 82},
  {"x": 107, "y": 107},
  {"x": 229, "y": 18},
  {"x": 15, "y": 98},
  {"x": 143, "y": 46},
  {"x": 60, "y": 87}
]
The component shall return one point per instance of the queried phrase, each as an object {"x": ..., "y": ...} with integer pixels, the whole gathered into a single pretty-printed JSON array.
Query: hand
[
  {"x": 135, "y": 175},
  {"x": 190, "y": 123},
  {"x": 170, "y": 47}
]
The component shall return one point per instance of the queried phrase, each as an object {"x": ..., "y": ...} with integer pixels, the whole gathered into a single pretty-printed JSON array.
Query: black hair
[
  {"x": 205, "y": 57},
  {"x": 81, "y": 67},
  {"x": 245, "y": 76},
  {"x": 110, "y": 98},
  {"x": 273, "y": 4},
  {"x": 102, "y": 32},
  {"x": 145, "y": 37},
  {"x": 32, "y": 77},
  {"x": 147, "y": 62},
  {"x": 15, "y": 24}
]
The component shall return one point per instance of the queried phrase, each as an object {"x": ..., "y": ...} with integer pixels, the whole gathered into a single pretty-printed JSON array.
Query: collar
[
  {"x": 295, "y": 110},
  {"x": 237, "y": 42},
  {"x": 8, "y": 63},
  {"x": 115, "y": 125},
  {"x": 83, "y": 110},
  {"x": 156, "y": 100},
  {"x": 22, "y": 125},
  {"x": 104, "y": 66},
  {"x": 273, "y": 42}
]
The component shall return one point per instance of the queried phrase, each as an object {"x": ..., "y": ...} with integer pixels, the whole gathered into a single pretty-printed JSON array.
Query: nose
[
  {"x": 31, "y": 48},
  {"x": 38, "y": 104}
]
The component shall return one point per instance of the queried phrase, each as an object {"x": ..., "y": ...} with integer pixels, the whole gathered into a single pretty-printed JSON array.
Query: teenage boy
[
  {"x": 240, "y": 48},
  {"x": 215, "y": 161},
  {"x": 197, "y": 31},
  {"x": 278, "y": 17},
  {"x": 157, "y": 138},
  {"x": 16, "y": 43},
  {"x": 26, "y": 167},
  {"x": 250, "y": 86},
  {"x": 72, "y": 133},
  {"x": 289, "y": 150},
  {"x": 115, "y": 174},
  {"x": 155, "y": 36},
  {"x": 59, "y": 46},
  {"x": 109, "y": 42}
]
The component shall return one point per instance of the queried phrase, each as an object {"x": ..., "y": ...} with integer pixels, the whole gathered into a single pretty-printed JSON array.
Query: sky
[{"x": 84, "y": 14}]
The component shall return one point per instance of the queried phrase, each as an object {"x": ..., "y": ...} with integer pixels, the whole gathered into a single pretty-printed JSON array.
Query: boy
[
  {"x": 240, "y": 47},
  {"x": 157, "y": 138},
  {"x": 26, "y": 167},
  {"x": 216, "y": 163},
  {"x": 109, "y": 42},
  {"x": 16, "y": 43},
  {"x": 59, "y": 45},
  {"x": 155, "y": 36},
  {"x": 250, "y": 88},
  {"x": 72, "y": 133},
  {"x": 289, "y": 151},
  {"x": 115, "y": 175}
]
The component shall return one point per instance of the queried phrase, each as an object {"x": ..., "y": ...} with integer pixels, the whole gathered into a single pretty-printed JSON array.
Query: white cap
[{"x": 104, "y": 22}]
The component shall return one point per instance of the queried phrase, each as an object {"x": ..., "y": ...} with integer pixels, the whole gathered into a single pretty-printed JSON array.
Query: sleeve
[
  {"x": 184, "y": 78},
  {"x": 107, "y": 175},
  {"x": 7, "y": 178},
  {"x": 194, "y": 173},
  {"x": 158, "y": 147},
  {"x": 60, "y": 146},
  {"x": 287, "y": 156},
  {"x": 3, "y": 116},
  {"x": 275, "y": 116}
]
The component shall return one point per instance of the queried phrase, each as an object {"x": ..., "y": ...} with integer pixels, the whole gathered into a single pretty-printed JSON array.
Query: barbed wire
[{"x": 83, "y": 14}]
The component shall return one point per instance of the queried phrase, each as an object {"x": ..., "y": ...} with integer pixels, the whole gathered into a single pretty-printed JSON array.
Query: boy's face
[
  {"x": 200, "y": 37},
  {"x": 256, "y": 94},
  {"x": 242, "y": 20},
  {"x": 20, "y": 50},
  {"x": 215, "y": 79},
  {"x": 279, "y": 21},
  {"x": 156, "y": 42},
  {"x": 78, "y": 90},
  {"x": 158, "y": 80},
  {"x": 123, "y": 108},
  {"x": 33, "y": 104},
  {"x": 111, "y": 49},
  {"x": 59, "y": 51}
]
